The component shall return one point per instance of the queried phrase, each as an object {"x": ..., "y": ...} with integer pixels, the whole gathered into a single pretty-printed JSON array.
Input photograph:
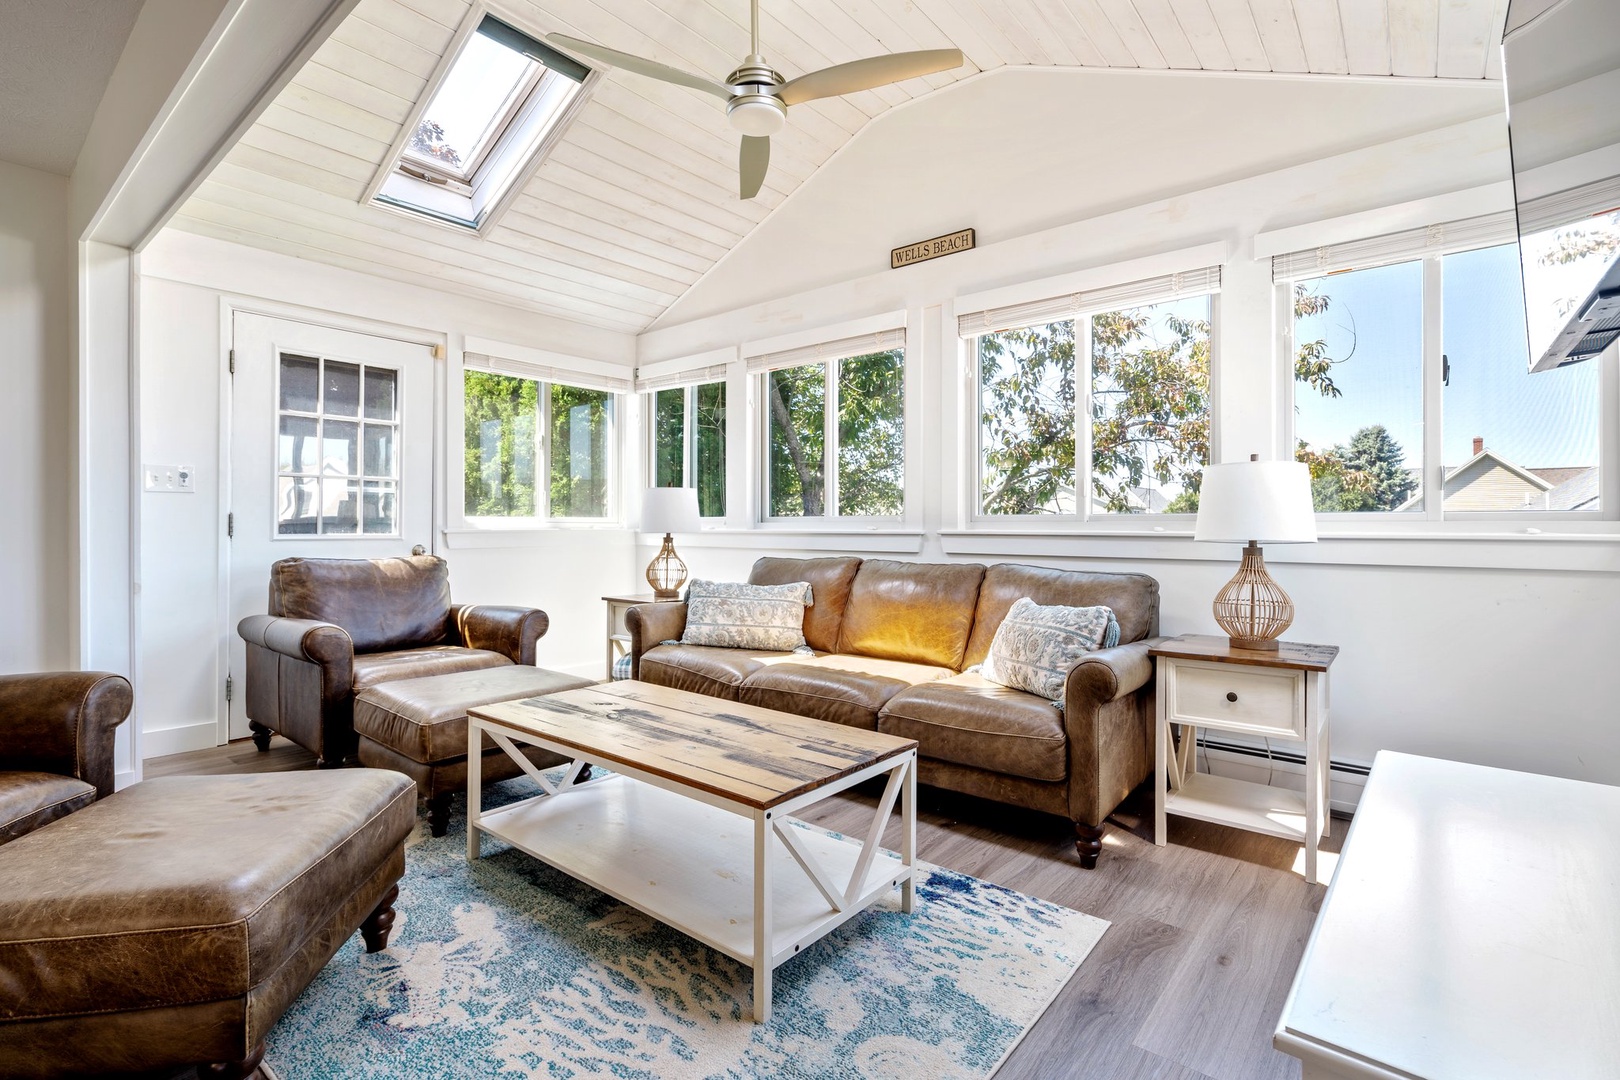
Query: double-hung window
[
  {"x": 687, "y": 435},
  {"x": 539, "y": 444},
  {"x": 834, "y": 424},
  {"x": 1095, "y": 404},
  {"x": 1412, "y": 393}
]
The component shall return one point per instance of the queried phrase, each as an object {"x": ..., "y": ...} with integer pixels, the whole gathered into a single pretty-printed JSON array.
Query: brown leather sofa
[
  {"x": 337, "y": 626},
  {"x": 56, "y": 744},
  {"x": 892, "y": 641}
]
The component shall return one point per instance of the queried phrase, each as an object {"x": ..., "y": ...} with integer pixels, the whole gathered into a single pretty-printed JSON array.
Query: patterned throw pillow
[
  {"x": 736, "y": 616},
  {"x": 1035, "y": 646}
]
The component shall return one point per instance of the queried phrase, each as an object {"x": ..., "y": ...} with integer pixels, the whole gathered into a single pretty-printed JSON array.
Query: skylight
[{"x": 481, "y": 127}]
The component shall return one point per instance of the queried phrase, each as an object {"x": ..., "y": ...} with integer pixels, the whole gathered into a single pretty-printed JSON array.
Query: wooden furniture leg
[
  {"x": 234, "y": 1070},
  {"x": 261, "y": 735},
  {"x": 378, "y": 924},
  {"x": 1088, "y": 842},
  {"x": 438, "y": 807}
]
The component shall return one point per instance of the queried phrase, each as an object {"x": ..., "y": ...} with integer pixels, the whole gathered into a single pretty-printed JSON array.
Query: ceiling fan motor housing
[{"x": 755, "y": 109}]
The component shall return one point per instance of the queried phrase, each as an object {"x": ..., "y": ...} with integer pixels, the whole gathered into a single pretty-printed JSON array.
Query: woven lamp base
[
  {"x": 1252, "y": 608},
  {"x": 667, "y": 572}
]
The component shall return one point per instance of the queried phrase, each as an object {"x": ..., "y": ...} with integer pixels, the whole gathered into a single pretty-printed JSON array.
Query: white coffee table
[{"x": 683, "y": 826}]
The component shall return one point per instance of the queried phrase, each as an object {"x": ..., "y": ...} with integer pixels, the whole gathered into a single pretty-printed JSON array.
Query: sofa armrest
[
  {"x": 323, "y": 643},
  {"x": 63, "y": 722},
  {"x": 511, "y": 631},
  {"x": 1108, "y": 717},
  {"x": 650, "y": 624},
  {"x": 1108, "y": 675}
]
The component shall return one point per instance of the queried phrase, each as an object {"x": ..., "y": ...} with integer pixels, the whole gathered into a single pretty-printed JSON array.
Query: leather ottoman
[
  {"x": 419, "y": 727},
  {"x": 172, "y": 923}
]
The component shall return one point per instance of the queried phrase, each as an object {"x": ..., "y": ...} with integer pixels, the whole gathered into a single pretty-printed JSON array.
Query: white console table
[{"x": 1472, "y": 930}]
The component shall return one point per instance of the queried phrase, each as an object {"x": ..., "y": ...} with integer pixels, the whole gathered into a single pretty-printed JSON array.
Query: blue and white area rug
[{"x": 507, "y": 968}]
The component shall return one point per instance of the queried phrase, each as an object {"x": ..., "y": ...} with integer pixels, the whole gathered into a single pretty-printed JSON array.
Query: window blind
[
  {"x": 1569, "y": 207},
  {"x": 689, "y": 377},
  {"x": 1443, "y": 239},
  {"x": 1090, "y": 301},
  {"x": 860, "y": 345},
  {"x": 541, "y": 373}
]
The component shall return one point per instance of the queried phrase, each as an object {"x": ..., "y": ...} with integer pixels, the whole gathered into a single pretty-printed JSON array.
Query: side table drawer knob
[{"x": 1231, "y": 695}]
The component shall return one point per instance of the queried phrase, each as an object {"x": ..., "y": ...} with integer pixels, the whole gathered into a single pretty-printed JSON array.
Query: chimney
[{"x": 1479, "y": 444}]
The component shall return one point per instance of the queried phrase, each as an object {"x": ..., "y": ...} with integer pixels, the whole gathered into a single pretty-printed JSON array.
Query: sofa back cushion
[
  {"x": 921, "y": 613},
  {"x": 830, "y": 581},
  {"x": 1134, "y": 599},
  {"x": 382, "y": 603}
]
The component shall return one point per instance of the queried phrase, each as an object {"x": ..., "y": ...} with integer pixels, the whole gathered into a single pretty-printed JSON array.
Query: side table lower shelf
[{"x": 1240, "y": 803}]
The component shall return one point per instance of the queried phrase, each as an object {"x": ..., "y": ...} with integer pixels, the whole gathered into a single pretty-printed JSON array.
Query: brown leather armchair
[
  {"x": 56, "y": 744},
  {"x": 337, "y": 626}
]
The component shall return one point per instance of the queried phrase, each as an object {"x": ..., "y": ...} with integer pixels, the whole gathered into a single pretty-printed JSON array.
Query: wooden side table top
[
  {"x": 635, "y": 598},
  {"x": 750, "y": 755},
  {"x": 1295, "y": 655}
]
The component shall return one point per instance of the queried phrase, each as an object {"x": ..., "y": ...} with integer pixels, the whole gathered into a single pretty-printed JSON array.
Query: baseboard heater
[{"x": 1291, "y": 757}]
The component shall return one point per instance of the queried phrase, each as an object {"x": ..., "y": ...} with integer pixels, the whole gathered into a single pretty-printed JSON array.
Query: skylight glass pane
[{"x": 471, "y": 107}]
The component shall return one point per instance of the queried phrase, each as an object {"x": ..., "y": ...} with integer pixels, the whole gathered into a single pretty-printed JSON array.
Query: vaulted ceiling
[{"x": 638, "y": 200}]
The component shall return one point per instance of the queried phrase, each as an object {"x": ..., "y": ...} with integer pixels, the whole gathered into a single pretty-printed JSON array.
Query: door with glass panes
[{"x": 331, "y": 448}]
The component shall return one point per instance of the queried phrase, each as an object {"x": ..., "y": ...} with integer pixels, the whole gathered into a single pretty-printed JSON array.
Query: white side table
[
  {"x": 618, "y": 638},
  {"x": 1204, "y": 682}
]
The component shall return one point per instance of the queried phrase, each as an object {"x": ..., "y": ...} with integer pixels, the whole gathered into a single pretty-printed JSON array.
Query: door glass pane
[
  {"x": 300, "y": 383},
  {"x": 296, "y": 449},
  {"x": 378, "y": 514},
  {"x": 669, "y": 438},
  {"x": 1513, "y": 441},
  {"x": 1358, "y": 388},
  {"x": 797, "y": 400},
  {"x": 710, "y": 438},
  {"x": 342, "y": 385},
  {"x": 295, "y": 506},
  {"x": 380, "y": 386},
  {"x": 580, "y": 424},
  {"x": 340, "y": 510},
  {"x": 1150, "y": 407},
  {"x": 1026, "y": 420},
  {"x": 379, "y": 439},
  {"x": 499, "y": 432},
  {"x": 872, "y": 435},
  {"x": 339, "y": 455}
]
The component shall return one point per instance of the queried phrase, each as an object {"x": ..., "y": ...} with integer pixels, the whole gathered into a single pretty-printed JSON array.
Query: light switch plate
[{"x": 177, "y": 479}]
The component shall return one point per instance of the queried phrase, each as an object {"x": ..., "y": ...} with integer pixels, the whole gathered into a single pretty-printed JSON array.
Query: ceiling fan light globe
[{"x": 760, "y": 115}]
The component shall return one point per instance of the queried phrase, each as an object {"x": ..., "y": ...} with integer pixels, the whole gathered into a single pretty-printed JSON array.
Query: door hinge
[
  {"x": 230, "y": 526},
  {"x": 233, "y": 361},
  {"x": 230, "y": 687}
]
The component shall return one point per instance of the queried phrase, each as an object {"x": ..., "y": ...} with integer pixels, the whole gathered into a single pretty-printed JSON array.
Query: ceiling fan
[{"x": 757, "y": 96}]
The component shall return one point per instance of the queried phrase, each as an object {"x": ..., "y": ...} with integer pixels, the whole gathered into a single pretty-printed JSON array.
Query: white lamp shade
[
  {"x": 1268, "y": 502},
  {"x": 670, "y": 510}
]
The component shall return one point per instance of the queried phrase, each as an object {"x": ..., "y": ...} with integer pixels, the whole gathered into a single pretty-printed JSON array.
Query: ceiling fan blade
[
  {"x": 752, "y": 162},
  {"x": 652, "y": 69},
  {"x": 865, "y": 74}
]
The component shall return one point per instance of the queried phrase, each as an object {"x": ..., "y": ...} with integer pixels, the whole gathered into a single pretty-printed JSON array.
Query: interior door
[{"x": 331, "y": 456}]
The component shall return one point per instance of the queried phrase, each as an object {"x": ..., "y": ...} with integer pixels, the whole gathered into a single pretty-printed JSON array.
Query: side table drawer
[{"x": 1231, "y": 698}]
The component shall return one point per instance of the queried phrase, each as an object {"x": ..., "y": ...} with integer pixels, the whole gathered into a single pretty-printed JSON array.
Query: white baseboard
[
  {"x": 1344, "y": 786},
  {"x": 124, "y": 779},
  {"x": 592, "y": 670},
  {"x": 199, "y": 735}
]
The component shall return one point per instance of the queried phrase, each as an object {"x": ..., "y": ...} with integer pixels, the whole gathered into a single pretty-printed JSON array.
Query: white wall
[
  {"x": 36, "y": 420},
  {"x": 1493, "y": 651},
  {"x": 182, "y": 280}
]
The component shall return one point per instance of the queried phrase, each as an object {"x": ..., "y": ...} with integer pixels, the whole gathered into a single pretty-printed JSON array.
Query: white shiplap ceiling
[{"x": 638, "y": 200}]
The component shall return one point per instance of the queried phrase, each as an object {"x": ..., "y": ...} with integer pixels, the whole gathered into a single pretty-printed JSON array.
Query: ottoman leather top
[
  {"x": 426, "y": 719},
  {"x": 187, "y": 889}
]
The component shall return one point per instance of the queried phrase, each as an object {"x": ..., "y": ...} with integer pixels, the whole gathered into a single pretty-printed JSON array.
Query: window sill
[
  {"x": 883, "y": 541},
  {"x": 526, "y": 535}
]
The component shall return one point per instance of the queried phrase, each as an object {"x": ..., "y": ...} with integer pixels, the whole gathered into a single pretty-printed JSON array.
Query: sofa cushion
[
  {"x": 426, "y": 719},
  {"x": 373, "y": 668},
  {"x": 830, "y": 580},
  {"x": 736, "y": 615},
  {"x": 843, "y": 689},
  {"x": 382, "y": 603},
  {"x": 703, "y": 669},
  {"x": 1134, "y": 599},
  {"x": 31, "y": 799},
  {"x": 920, "y": 613},
  {"x": 1037, "y": 644},
  {"x": 969, "y": 720},
  {"x": 187, "y": 889}
]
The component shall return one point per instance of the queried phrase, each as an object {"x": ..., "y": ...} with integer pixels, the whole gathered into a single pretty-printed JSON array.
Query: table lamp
[
  {"x": 1255, "y": 502},
  {"x": 668, "y": 510}
]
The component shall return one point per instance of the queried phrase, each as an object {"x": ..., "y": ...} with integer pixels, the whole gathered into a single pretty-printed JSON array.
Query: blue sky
[{"x": 1375, "y": 317}]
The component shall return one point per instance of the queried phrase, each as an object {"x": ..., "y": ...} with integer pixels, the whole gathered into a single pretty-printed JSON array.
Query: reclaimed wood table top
[
  {"x": 1288, "y": 654},
  {"x": 754, "y": 756}
]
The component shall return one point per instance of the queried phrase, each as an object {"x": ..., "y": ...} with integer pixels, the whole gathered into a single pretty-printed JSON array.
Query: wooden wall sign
[{"x": 948, "y": 244}]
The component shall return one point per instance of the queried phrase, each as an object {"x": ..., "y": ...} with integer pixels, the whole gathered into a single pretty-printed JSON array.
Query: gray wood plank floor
[{"x": 1186, "y": 984}]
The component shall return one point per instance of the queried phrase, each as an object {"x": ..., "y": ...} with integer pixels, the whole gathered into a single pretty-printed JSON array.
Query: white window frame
[
  {"x": 473, "y": 202},
  {"x": 1080, "y": 310},
  {"x": 1429, "y": 245},
  {"x": 688, "y": 382},
  {"x": 499, "y": 359}
]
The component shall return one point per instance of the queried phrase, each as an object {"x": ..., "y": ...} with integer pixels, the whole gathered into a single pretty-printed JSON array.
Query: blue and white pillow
[
  {"x": 732, "y": 615},
  {"x": 1035, "y": 646}
]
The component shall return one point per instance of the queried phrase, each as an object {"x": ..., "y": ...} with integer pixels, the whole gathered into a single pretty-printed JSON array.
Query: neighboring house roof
[
  {"x": 1559, "y": 475},
  {"x": 1488, "y": 481},
  {"x": 1579, "y": 492}
]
